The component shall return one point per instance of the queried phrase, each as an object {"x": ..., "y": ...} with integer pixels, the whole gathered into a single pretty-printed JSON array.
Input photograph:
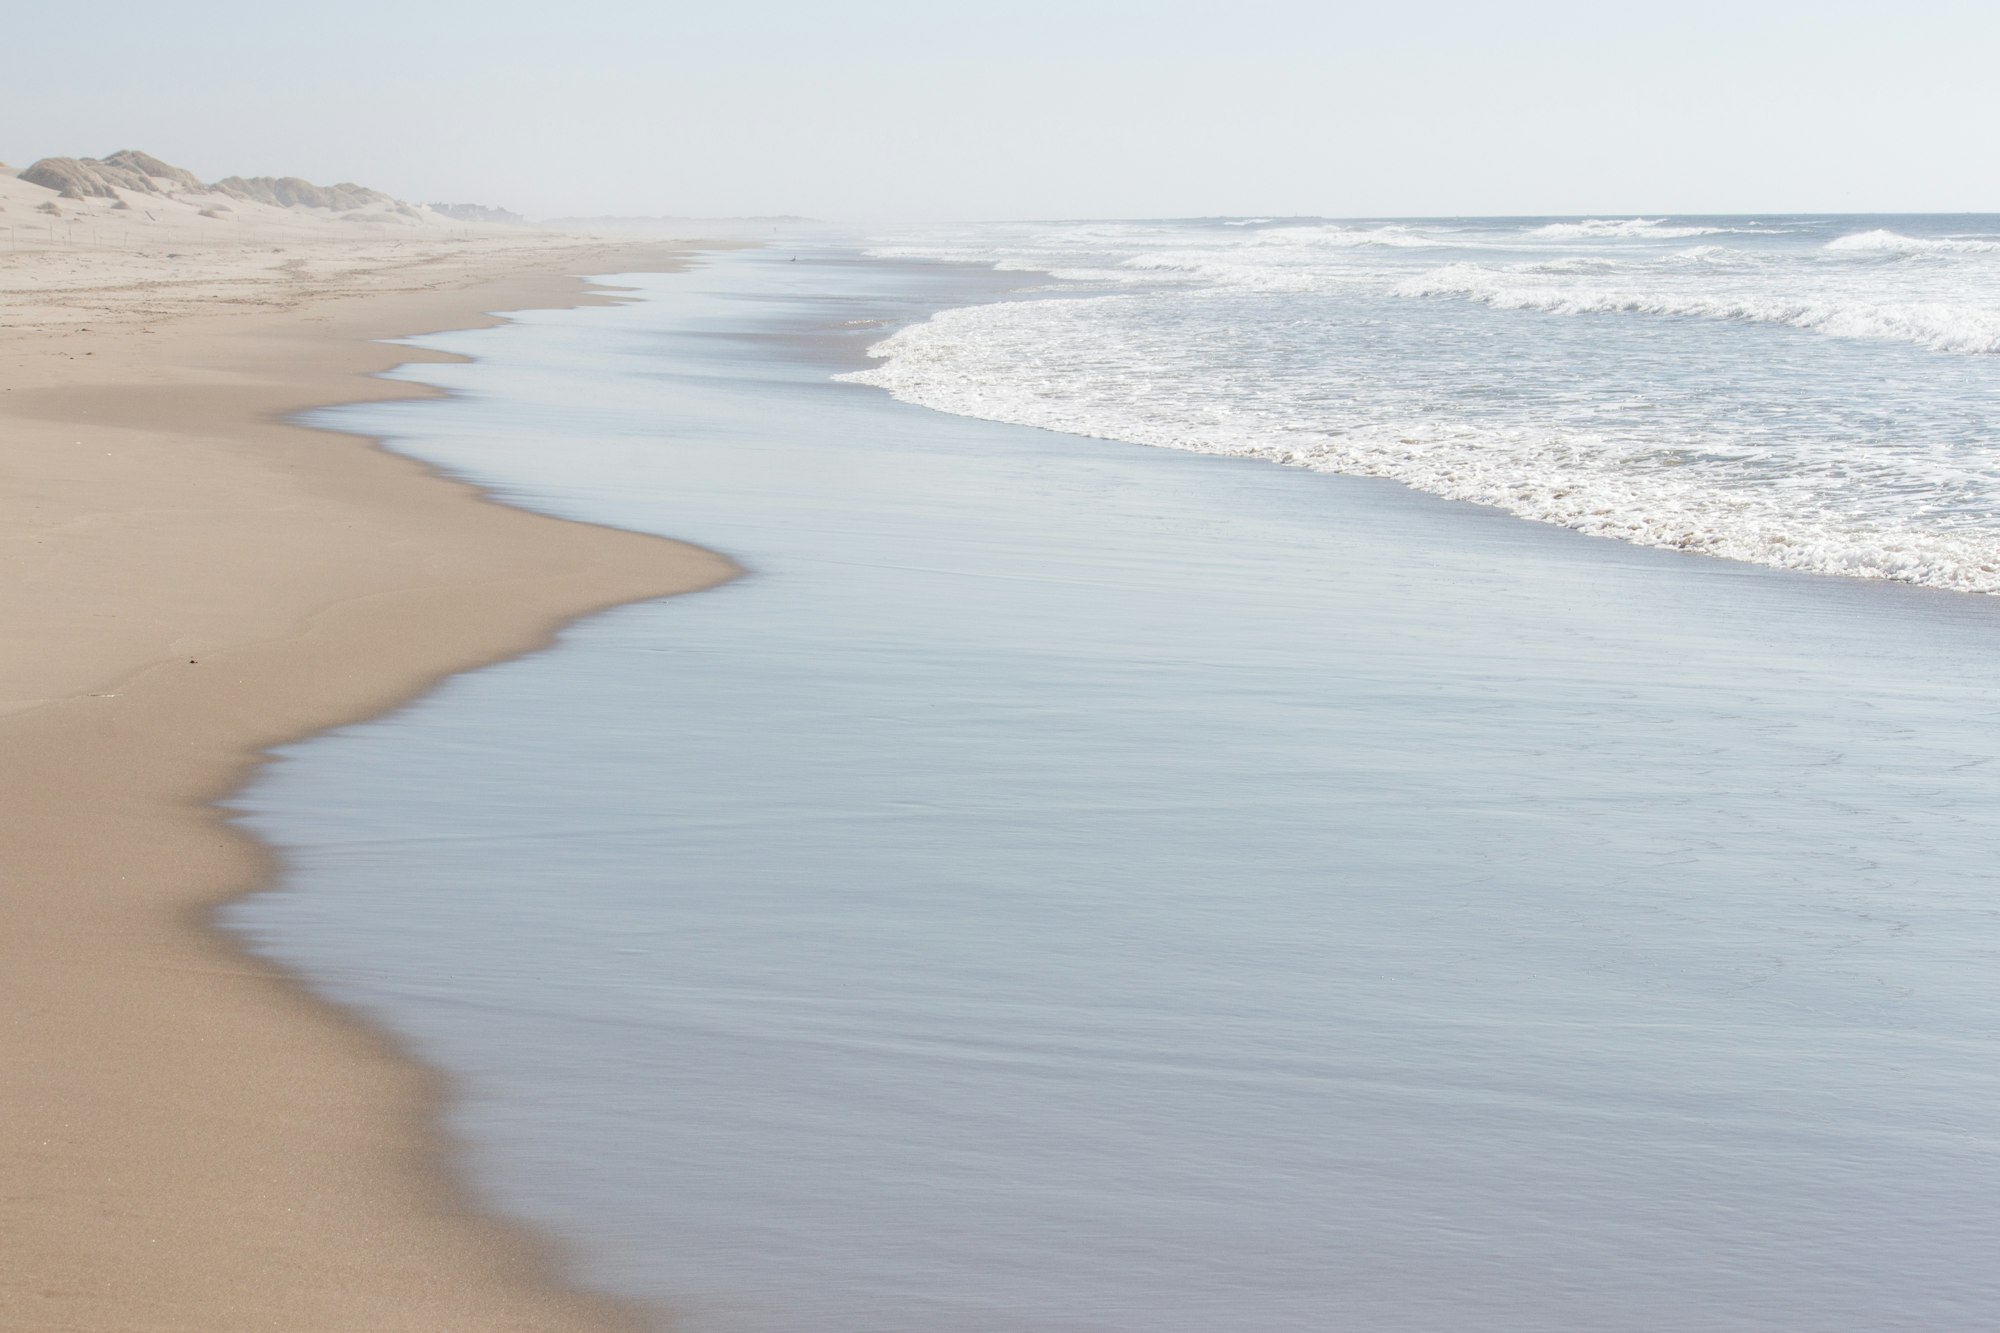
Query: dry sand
[{"x": 191, "y": 1143}]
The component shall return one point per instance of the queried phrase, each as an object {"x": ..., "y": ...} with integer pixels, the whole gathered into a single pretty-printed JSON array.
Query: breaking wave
[
  {"x": 1897, "y": 243},
  {"x": 1621, "y": 229},
  {"x": 1348, "y": 347},
  {"x": 1938, "y": 325}
]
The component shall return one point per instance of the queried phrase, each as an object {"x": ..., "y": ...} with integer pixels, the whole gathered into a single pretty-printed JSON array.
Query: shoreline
[
  {"x": 196, "y": 1141},
  {"x": 888, "y": 850}
]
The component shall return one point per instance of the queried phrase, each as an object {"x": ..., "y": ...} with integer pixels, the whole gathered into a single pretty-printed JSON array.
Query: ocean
[
  {"x": 1071, "y": 884},
  {"x": 1814, "y": 393}
]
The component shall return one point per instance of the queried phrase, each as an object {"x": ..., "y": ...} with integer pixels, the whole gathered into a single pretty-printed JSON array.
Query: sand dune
[
  {"x": 103, "y": 250},
  {"x": 130, "y": 188}
]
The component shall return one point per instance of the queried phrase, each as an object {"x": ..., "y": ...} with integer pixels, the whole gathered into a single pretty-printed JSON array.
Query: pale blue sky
[{"x": 887, "y": 109}]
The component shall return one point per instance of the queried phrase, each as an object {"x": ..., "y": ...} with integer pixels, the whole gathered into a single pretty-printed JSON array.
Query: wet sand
[{"x": 192, "y": 1142}]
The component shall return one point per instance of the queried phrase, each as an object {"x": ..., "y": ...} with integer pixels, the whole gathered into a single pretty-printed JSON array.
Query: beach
[
  {"x": 193, "y": 1143},
  {"x": 1009, "y": 669},
  {"x": 1085, "y": 861}
]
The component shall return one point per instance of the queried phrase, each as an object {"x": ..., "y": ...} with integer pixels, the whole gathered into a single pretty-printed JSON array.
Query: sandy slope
[{"x": 190, "y": 1143}]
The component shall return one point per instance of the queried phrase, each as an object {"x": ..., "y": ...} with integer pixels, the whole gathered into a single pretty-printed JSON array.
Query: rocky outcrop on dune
[
  {"x": 103, "y": 178},
  {"x": 131, "y": 159},
  {"x": 88, "y": 178},
  {"x": 474, "y": 213},
  {"x": 71, "y": 177},
  {"x": 291, "y": 192}
]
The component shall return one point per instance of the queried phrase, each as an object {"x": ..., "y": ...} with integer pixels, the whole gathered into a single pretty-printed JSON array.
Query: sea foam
[{"x": 1773, "y": 394}]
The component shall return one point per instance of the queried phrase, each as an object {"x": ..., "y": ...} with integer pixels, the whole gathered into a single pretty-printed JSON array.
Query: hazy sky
[{"x": 880, "y": 109}]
